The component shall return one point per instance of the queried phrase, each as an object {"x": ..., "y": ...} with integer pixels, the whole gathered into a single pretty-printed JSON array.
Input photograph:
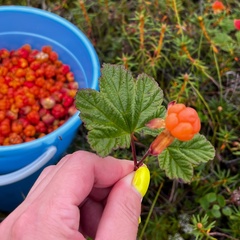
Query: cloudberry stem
[
  {"x": 140, "y": 163},
  {"x": 133, "y": 151}
]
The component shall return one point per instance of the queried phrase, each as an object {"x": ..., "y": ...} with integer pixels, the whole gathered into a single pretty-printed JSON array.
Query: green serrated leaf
[
  {"x": 148, "y": 101},
  {"x": 122, "y": 107},
  {"x": 195, "y": 151},
  {"x": 109, "y": 138},
  {"x": 174, "y": 167},
  {"x": 92, "y": 103},
  {"x": 117, "y": 87},
  {"x": 179, "y": 158}
]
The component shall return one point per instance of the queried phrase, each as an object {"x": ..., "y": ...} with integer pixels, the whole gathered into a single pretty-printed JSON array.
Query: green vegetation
[{"x": 192, "y": 51}]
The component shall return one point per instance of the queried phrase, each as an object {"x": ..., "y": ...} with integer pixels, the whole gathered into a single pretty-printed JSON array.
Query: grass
[{"x": 193, "y": 53}]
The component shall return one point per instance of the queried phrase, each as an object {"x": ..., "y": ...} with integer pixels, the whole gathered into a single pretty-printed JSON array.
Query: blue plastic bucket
[{"x": 21, "y": 164}]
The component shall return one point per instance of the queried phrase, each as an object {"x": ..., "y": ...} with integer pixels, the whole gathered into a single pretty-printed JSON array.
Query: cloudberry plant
[{"x": 119, "y": 123}]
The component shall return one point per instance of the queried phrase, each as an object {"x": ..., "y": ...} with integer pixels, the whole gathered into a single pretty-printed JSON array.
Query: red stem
[
  {"x": 133, "y": 152},
  {"x": 140, "y": 163}
]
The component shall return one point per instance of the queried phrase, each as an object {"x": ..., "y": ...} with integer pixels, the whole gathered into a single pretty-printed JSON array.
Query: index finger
[{"x": 82, "y": 171}]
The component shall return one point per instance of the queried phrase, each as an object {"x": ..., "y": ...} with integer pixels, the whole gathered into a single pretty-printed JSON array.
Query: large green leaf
[
  {"x": 179, "y": 158},
  {"x": 122, "y": 107}
]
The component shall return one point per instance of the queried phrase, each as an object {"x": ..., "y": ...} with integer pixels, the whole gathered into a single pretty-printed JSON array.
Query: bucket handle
[{"x": 29, "y": 169}]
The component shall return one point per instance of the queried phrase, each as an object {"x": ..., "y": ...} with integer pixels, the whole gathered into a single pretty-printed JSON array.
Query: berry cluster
[
  {"x": 182, "y": 122},
  {"x": 36, "y": 94}
]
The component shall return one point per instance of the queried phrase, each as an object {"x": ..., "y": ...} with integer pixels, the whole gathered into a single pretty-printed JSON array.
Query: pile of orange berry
[{"x": 37, "y": 93}]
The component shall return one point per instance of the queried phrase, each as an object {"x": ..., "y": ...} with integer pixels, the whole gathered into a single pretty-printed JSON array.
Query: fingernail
[{"x": 141, "y": 180}]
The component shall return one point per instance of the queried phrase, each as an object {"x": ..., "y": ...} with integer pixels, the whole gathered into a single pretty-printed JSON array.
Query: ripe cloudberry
[
  {"x": 50, "y": 71},
  {"x": 24, "y": 51},
  {"x": 15, "y": 138},
  {"x": 182, "y": 122},
  {"x": 217, "y": 7},
  {"x": 47, "y": 49},
  {"x": 17, "y": 126},
  {"x": 48, "y": 118},
  {"x": 29, "y": 130},
  {"x": 5, "y": 127},
  {"x": 237, "y": 23},
  {"x": 53, "y": 56},
  {"x": 33, "y": 117},
  {"x": 41, "y": 127},
  {"x": 70, "y": 76},
  {"x": 64, "y": 69},
  {"x": 11, "y": 115},
  {"x": 67, "y": 101},
  {"x": 20, "y": 72},
  {"x": 2, "y": 115},
  {"x": 35, "y": 65},
  {"x": 4, "y": 53},
  {"x": 22, "y": 62},
  {"x": 58, "y": 111}
]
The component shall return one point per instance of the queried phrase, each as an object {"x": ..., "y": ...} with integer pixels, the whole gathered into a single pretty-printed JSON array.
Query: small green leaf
[
  {"x": 179, "y": 158},
  {"x": 221, "y": 200},
  {"x": 227, "y": 211},
  {"x": 215, "y": 207},
  {"x": 122, "y": 107},
  {"x": 216, "y": 213},
  {"x": 204, "y": 203},
  {"x": 211, "y": 197}
]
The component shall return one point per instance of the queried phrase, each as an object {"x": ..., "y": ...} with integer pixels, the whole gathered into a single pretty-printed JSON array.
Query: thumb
[{"x": 121, "y": 213}]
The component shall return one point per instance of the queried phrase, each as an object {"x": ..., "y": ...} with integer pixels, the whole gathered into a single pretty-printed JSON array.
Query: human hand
[{"x": 83, "y": 195}]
